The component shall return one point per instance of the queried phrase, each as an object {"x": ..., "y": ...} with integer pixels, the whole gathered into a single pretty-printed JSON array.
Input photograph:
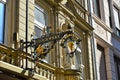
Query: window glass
[
  {"x": 40, "y": 15},
  {"x": 97, "y": 8},
  {"x": 1, "y": 22},
  {"x": 116, "y": 18},
  {"x": 38, "y": 32},
  {"x": 41, "y": 22},
  {"x": 117, "y": 67}
]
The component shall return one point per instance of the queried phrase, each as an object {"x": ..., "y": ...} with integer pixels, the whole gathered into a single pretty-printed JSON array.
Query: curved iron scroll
[{"x": 41, "y": 45}]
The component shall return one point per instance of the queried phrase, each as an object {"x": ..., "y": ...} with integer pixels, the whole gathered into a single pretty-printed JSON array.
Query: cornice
[
  {"x": 65, "y": 10},
  {"x": 102, "y": 24},
  {"x": 103, "y": 42},
  {"x": 74, "y": 16}
]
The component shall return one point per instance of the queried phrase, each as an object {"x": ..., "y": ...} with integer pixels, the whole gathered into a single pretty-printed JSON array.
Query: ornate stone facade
[{"x": 46, "y": 17}]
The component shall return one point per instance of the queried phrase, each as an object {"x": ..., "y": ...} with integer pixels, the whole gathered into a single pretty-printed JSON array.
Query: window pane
[
  {"x": 116, "y": 17},
  {"x": 117, "y": 67},
  {"x": 40, "y": 15},
  {"x": 97, "y": 8},
  {"x": 38, "y": 32},
  {"x": 40, "y": 20},
  {"x": 1, "y": 22}
]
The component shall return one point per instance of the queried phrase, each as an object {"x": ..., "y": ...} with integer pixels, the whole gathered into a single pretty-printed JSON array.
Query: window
[
  {"x": 110, "y": 16},
  {"x": 2, "y": 15},
  {"x": 41, "y": 20},
  {"x": 116, "y": 17},
  {"x": 116, "y": 20},
  {"x": 38, "y": 32},
  {"x": 117, "y": 67},
  {"x": 40, "y": 15},
  {"x": 98, "y": 8},
  {"x": 101, "y": 65}
]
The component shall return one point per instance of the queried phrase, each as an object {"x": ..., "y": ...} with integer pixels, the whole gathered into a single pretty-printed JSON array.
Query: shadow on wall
[{"x": 9, "y": 76}]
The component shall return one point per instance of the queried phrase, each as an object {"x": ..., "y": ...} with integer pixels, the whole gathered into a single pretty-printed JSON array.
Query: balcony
[{"x": 14, "y": 62}]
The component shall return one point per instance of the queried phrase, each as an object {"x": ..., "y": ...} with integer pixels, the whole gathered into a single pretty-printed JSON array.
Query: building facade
[
  {"x": 32, "y": 32},
  {"x": 59, "y": 40},
  {"x": 106, "y": 23}
]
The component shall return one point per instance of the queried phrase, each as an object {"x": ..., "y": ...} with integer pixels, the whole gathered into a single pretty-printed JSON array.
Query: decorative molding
[
  {"x": 102, "y": 42},
  {"x": 65, "y": 10},
  {"x": 102, "y": 24}
]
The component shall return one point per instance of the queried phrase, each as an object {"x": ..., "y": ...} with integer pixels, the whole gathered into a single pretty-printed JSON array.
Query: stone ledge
[{"x": 20, "y": 71}]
